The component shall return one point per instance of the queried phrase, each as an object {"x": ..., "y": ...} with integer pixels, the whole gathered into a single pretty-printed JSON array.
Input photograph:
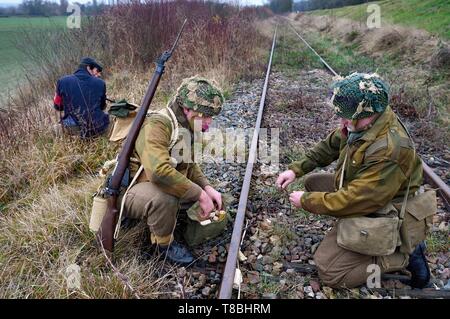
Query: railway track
[{"x": 231, "y": 273}]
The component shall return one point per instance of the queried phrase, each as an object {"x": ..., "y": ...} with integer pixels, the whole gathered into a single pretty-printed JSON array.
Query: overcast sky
[{"x": 244, "y": 2}]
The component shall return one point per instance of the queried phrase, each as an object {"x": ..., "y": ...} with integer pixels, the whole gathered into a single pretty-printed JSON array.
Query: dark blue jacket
[{"x": 82, "y": 97}]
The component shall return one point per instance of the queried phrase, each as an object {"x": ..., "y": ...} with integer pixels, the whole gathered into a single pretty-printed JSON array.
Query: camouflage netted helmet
[
  {"x": 359, "y": 95},
  {"x": 201, "y": 95}
]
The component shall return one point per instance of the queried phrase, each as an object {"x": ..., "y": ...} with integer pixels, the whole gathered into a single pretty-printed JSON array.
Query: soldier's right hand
[
  {"x": 285, "y": 178},
  {"x": 206, "y": 205}
]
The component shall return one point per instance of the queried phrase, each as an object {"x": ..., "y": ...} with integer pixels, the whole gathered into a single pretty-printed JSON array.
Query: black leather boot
[
  {"x": 176, "y": 253},
  {"x": 418, "y": 266}
]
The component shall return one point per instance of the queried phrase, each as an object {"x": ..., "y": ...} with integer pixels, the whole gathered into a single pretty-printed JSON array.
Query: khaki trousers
[
  {"x": 339, "y": 267},
  {"x": 146, "y": 201}
]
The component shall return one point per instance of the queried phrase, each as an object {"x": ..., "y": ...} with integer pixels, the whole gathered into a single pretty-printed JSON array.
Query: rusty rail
[
  {"x": 226, "y": 287},
  {"x": 429, "y": 174},
  {"x": 436, "y": 181}
]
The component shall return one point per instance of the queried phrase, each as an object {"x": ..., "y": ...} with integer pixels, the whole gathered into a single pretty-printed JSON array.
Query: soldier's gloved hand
[
  {"x": 215, "y": 196},
  {"x": 285, "y": 178},
  {"x": 206, "y": 205}
]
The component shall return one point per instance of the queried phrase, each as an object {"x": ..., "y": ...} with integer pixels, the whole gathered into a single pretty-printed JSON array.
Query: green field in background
[{"x": 430, "y": 15}]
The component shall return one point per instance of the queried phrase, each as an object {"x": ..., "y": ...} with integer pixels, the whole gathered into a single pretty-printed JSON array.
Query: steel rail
[
  {"x": 433, "y": 179},
  {"x": 226, "y": 287},
  {"x": 430, "y": 176}
]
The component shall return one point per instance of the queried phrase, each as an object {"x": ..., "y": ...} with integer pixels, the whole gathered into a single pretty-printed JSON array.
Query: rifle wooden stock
[{"x": 105, "y": 235}]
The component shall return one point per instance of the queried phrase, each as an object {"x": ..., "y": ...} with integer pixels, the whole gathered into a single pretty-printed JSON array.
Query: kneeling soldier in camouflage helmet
[
  {"x": 170, "y": 184},
  {"x": 376, "y": 163}
]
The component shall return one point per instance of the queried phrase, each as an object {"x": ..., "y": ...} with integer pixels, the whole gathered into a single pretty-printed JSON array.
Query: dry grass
[
  {"x": 34, "y": 158},
  {"x": 441, "y": 58}
]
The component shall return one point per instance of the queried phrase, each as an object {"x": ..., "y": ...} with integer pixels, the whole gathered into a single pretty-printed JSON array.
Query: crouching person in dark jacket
[{"x": 82, "y": 98}]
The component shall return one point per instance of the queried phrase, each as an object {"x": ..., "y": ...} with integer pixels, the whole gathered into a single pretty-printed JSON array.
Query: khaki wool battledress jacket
[{"x": 377, "y": 169}]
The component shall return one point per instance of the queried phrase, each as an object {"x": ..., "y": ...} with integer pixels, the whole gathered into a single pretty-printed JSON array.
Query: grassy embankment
[{"x": 346, "y": 55}]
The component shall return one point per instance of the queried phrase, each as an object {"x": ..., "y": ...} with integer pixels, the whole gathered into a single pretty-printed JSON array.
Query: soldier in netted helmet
[
  {"x": 169, "y": 184},
  {"x": 377, "y": 169}
]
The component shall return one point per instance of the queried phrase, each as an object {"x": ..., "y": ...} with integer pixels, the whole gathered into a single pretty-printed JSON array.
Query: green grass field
[
  {"x": 11, "y": 57},
  {"x": 430, "y": 15}
]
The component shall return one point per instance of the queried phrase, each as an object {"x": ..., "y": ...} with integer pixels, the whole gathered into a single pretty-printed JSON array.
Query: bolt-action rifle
[{"x": 106, "y": 232}]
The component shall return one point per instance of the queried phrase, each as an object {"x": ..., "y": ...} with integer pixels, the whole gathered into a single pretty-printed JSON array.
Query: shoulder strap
[
  {"x": 383, "y": 142},
  {"x": 406, "y": 130},
  {"x": 341, "y": 182},
  {"x": 174, "y": 137}
]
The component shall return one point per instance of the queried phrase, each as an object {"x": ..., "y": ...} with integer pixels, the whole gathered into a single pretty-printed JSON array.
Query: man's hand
[
  {"x": 285, "y": 178},
  {"x": 295, "y": 198},
  {"x": 206, "y": 205},
  {"x": 215, "y": 196}
]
